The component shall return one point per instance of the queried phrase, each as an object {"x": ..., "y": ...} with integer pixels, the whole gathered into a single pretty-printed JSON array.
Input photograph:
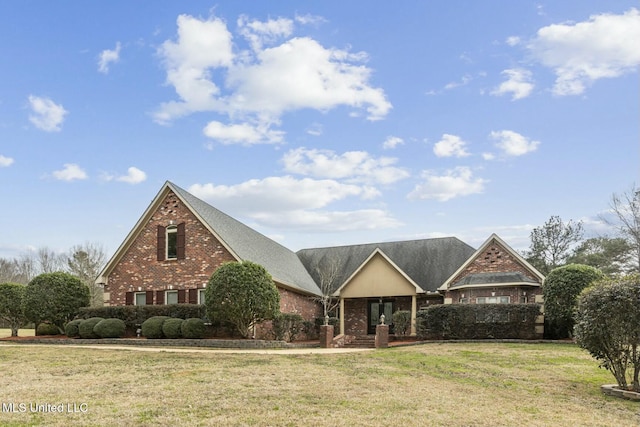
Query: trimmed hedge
[
  {"x": 86, "y": 328},
  {"x": 110, "y": 328},
  {"x": 478, "y": 321},
  {"x": 286, "y": 326},
  {"x": 172, "y": 328},
  {"x": 71, "y": 328},
  {"x": 402, "y": 322},
  {"x": 152, "y": 327},
  {"x": 193, "y": 328},
  {"x": 47, "y": 329},
  {"x": 134, "y": 315}
]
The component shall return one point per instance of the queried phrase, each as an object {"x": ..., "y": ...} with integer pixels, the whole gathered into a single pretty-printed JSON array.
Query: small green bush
[
  {"x": 286, "y": 326},
  {"x": 401, "y": 322},
  {"x": 110, "y": 328},
  {"x": 172, "y": 328},
  {"x": 152, "y": 327},
  {"x": 135, "y": 315},
  {"x": 193, "y": 328},
  {"x": 86, "y": 328},
  {"x": 71, "y": 329},
  {"x": 47, "y": 329}
]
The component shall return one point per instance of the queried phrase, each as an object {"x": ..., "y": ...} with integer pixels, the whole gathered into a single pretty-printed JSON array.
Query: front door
[{"x": 376, "y": 309}]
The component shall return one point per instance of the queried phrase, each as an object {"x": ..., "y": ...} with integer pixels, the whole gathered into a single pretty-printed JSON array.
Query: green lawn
[{"x": 449, "y": 384}]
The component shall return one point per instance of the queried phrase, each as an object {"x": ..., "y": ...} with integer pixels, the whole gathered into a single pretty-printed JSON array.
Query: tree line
[{"x": 557, "y": 243}]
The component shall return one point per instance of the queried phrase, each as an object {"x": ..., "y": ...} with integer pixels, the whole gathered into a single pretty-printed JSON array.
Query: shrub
[
  {"x": 478, "y": 321},
  {"x": 71, "y": 329},
  {"x": 134, "y": 315},
  {"x": 152, "y": 327},
  {"x": 193, "y": 328},
  {"x": 85, "y": 329},
  {"x": 286, "y": 326},
  {"x": 608, "y": 326},
  {"x": 561, "y": 289},
  {"x": 172, "y": 328},
  {"x": 47, "y": 329},
  {"x": 11, "y": 295},
  {"x": 110, "y": 328},
  {"x": 54, "y": 298},
  {"x": 242, "y": 293},
  {"x": 402, "y": 322}
]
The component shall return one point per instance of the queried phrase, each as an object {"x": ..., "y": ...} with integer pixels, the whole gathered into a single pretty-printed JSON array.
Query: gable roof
[
  {"x": 496, "y": 278},
  {"x": 377, "y": 251},
  {"x": 243, "y": 242},
  {"x": 427, "y": 262}
]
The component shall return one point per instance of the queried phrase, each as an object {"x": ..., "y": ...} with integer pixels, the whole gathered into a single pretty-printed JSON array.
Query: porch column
[
  {"x": 414, "y": 309},
  {"x": 341, "y": 315}
]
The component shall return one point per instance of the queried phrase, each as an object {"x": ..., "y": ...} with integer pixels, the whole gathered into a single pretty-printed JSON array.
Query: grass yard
[{"x": 449, "y": 384}]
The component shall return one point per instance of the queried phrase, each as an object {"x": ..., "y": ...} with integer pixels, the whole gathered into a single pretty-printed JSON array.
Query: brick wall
[
  {"x": 355, "y": 316},
  {"x": 140, "y": 270}
]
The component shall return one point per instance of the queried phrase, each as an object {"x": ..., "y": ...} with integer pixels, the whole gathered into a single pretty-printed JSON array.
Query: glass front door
[{"x": 376, "y": 309}]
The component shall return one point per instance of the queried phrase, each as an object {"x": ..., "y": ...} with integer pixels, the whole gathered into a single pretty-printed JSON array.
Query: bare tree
[
  {"x": 626, "y": 208},
  {"x": 48, "y": 260},
  {"x": 550, "y": 243},
  {"x": 86, "y": 261},
  {"x": 327, "y": 269}
]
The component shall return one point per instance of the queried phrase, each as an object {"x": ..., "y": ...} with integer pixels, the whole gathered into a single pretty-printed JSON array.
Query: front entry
[{"x": 375, "y": 309}]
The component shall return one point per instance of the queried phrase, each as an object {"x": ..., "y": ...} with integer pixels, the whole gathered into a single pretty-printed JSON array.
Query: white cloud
[
  {"x": 512, "y": 143},
  {"x": 463, "y": 82},
  {"x": 454, "y": 183},
  {"x": 354, "y": 166},
  {"x": 513, "y": 41},
  {"x": 70, "y": 172},
  {"x": 133, "y": 176},
  {"x": 107, "y": 57},
  {"x": 5, "y": 161},
  {"x": 392, "y": 142},
  {"x": 287, "y": 202},
  {"x": 518, "y": 84},
  {"x": 315, "y": 129},
  {"x": 310, "y": 19},
  {"x": 604, "y": 46},
  {"x": 450, "y": 146},
  {"x": 243, "y": 133},
  {"x": 488, "y": 156},
  {"x": 47, "y": 115},
  {"x": 281, "y": 73}
]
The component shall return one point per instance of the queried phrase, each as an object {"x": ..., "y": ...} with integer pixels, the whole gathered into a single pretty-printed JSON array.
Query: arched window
[{"x": 172, "y": 242}]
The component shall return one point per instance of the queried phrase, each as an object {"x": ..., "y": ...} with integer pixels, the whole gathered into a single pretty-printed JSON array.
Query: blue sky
[{"x": 316, "y": 123}]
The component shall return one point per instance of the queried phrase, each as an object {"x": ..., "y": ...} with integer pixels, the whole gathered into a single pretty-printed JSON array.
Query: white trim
[
  {"x": 166, "y": 296},
  {"x": 496, "y": 285},
  {"x": 135, "y": 297},
  {"x": 419, "y": 290},
  {"x": 483, "y": 247}
]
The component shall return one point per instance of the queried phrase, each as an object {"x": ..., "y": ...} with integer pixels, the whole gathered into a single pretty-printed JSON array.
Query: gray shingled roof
[
  {"x": 429, "y": 262},
  {"x": 494, "y": 278},
  {"x": 248, "y": 244}
]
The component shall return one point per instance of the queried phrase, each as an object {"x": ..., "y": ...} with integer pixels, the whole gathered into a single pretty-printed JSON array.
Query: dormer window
[{"x": 171, "y": 242}]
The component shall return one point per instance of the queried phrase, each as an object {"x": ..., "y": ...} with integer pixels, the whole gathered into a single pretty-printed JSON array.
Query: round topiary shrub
[
  {"x": 86, "y": 328},
  {"x": 47, "y": 329},
  {"x": 71, "y": 329},
  {"x": 152, "y": 327},
  {"x": 110, "y": 328},
  {"x": 172, "y": 328},
  {"x": 193, "y": 328}
]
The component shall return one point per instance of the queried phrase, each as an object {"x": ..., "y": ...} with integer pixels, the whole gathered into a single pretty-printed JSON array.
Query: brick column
[
  {"x": 326, "y": 336},
  {"x": 382, "y": 336}
]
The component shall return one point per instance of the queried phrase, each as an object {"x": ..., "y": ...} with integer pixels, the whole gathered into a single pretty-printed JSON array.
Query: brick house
[
  {"x": 171, "y": 252},
  {"x": 180, "y": 241}
]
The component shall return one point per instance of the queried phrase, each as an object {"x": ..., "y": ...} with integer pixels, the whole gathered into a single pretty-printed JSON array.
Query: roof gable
[
  {"x": 376, "y": 254},
  {"x": 427, "y": 262},
  {"x": 243, "y": 242},
  {"x": 467, "y": 276}
]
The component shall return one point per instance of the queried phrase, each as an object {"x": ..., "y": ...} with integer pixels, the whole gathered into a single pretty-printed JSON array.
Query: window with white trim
[
  {"x": 140, "y": 298},
  {"x": 171, "y": 297},
  {"x": 201, "y": 296},
  {"x": 172, "y": 242},
  {"x": 493, "y": 300}
]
